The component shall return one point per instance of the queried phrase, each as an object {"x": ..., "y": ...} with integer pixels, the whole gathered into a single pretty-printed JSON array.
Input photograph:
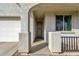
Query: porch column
[
  {"x": 24, "y": 35},
  {"x": 24, "y": 45}
]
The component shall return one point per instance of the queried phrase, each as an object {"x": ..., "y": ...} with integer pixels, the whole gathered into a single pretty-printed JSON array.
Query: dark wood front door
[{"x": 39, "y": 33}]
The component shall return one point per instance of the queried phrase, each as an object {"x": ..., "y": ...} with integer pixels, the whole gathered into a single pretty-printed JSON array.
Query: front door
[{"x": 39, "y": 33}]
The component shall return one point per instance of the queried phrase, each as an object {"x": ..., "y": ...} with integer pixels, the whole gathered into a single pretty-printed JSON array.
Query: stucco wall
[
  {"x": 32, "y": 27},
  {"x": 75, "y": 23},
  {"x": 9, "y": 9},
  {"x": 9, "y": 29},
  {"x": 49, "y": 25}
]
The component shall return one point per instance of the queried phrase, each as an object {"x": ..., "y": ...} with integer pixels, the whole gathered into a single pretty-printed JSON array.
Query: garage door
[{"x": 9, "y": 29}]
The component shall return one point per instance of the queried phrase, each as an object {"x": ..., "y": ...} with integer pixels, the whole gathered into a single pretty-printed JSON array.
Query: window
[
  {"x": 63, "y": 23},
  {"x": 59, "y": 23}
]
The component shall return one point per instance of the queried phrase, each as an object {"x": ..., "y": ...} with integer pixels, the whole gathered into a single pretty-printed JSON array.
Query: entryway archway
[
  {"x": 37, "y": 30},
  {"x": 36, "y": 24}
]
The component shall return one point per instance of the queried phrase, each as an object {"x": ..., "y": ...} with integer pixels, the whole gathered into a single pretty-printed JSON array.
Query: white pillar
[
  {"x": 24, "y": 44},
  {"x": 24, "y": 35}
]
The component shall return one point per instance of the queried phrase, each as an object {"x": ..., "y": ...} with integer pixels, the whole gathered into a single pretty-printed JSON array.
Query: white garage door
[{"x": 9, "y": 29}]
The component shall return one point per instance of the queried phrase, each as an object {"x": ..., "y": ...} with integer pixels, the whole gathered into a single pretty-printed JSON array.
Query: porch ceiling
[{"x": 56, "y": 8}]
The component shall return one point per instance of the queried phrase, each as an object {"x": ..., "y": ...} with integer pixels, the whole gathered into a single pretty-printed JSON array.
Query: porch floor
[{"x": 40, "y": 48}]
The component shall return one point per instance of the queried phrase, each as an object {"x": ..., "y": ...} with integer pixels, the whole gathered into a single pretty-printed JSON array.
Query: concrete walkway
[
  {"x": 8, "y": 48},
  {"x": 39, "y": 48}
]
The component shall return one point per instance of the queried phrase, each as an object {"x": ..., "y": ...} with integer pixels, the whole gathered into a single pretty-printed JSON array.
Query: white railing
[{"x": 59, "y": 42}]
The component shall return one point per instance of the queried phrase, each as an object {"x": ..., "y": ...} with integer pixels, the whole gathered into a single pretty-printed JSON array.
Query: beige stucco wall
[
  {"x": 49, "y": 25},
  {"x": 9, "y": 9},
  {"x": 32, "y": 27},
  {"x": 75, "y": 22}
]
